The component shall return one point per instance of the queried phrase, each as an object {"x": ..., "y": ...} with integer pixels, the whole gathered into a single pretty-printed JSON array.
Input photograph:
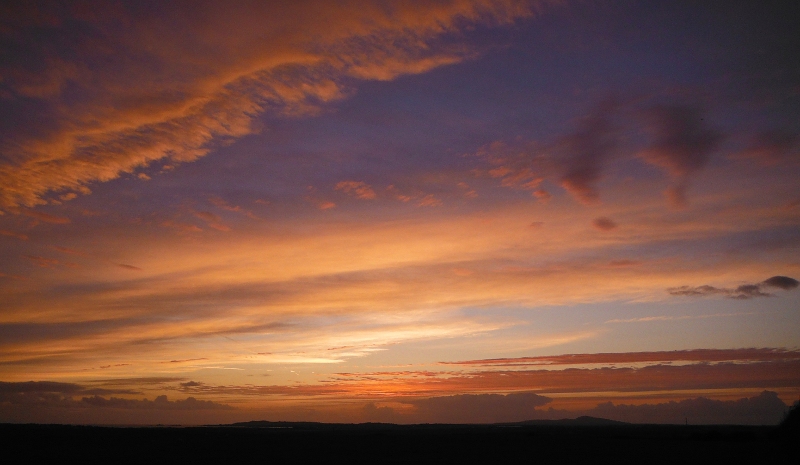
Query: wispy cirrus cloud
[
  {"x": 697, "y": 355},
  {"x": 290, "y": 59}
]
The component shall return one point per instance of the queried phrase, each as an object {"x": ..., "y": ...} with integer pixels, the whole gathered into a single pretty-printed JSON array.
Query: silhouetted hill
[
  {"x": 578, "y": 440},
  {"x": 580, "y": 421}
]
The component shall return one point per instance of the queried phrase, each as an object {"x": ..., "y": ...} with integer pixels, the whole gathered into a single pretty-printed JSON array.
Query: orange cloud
[
  {"x": 358, "y": 189},
  {"x": 19, "y": 236},
  {"x": 224, "y": 67}
]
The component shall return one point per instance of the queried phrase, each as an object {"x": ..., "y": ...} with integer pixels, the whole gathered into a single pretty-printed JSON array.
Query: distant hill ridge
[{"x": 580, "y": 421}]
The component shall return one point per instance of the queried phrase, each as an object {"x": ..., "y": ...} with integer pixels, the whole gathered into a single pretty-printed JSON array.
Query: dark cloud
[
  {"x": 39, "y": 386},
  {"x": 149, "y": 381},
  {"x": 480, "y": 408},
  {"x": 160, "y": 403},
  {"x": 744, "y": 291},
  {"x": 14, "y": 333},
  {"x": 54, "y": 394},
  {"x": 604, "y": 224},
  {"x": 32, "y": 394},
  {"x": 781, "y": 282},
  {"x": 682, "y": 145},
  {"x": 764, "y": 409},
  {"x": 190, "y": 384},
  {"x": 129, "y": 267},
  {"x": 385, "y": 414},
  {"x": 587, "y": 149}
]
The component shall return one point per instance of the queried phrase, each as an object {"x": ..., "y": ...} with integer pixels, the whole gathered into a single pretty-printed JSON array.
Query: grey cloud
[
  {"x": 150, "y": 381},
  {"x": 39, "y": 386},
  {"x": 15, "y": 333},
  {"x": 744, "y": 291},
  {"x": 764, "y": 409},
  {"x": 604, "y": 224},
  {"x": 60, "y": 395},
  {"x": 160, "y": 403},
  {"x": 51, "y": 387},
  {"x": 375, "y": 414},
  {"x": 781, "y": 282},
  {"x": 588, "y": 148},
  {"x": 682, "y": 145},
  {"x": 480, "y": 408}
]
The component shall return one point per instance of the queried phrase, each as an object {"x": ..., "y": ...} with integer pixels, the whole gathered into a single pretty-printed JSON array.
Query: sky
[{"x": 399, "y": 211}]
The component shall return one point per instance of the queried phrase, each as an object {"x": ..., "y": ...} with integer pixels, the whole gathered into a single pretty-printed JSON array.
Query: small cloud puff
[
  {"x": 357, "y": 189},
  {"x": 604, "y": 224}
]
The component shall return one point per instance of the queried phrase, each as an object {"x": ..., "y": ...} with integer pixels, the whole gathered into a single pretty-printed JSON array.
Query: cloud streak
[
  {"x": 698, "y": 355},
  {"x": 741, "y": 292}
]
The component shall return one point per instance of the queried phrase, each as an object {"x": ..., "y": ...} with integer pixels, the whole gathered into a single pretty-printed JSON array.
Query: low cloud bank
[
  {"x": 764, "y": 409},
  {"x": 47, "y": 394}
]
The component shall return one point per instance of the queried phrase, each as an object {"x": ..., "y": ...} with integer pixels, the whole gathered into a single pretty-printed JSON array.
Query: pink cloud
[{"x": 357, "y": 189}]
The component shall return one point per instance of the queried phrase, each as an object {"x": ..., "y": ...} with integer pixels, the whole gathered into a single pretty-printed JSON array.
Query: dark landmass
[{"x": 582, "y": 440}]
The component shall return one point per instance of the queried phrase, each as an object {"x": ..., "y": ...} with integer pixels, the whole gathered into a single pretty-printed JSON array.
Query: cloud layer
[{"x": 178, "y": 91}]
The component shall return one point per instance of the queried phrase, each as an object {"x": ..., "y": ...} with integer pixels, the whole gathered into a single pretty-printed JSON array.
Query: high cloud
[
  {"x": 697, "y": 355},
  {"x": 179, "y": 91},
  {"x": 744, "y": 291}
]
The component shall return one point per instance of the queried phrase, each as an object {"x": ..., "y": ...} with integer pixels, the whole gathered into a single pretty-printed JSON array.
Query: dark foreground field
[{"x": 319, "y": 443}]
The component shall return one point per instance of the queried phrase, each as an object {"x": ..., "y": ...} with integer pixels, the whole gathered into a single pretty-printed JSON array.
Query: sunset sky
[{"x": 405, "y": 211}]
